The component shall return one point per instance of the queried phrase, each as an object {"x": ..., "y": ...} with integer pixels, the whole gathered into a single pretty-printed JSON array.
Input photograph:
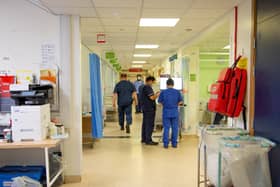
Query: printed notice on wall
[{"x": 48, "y": 53}]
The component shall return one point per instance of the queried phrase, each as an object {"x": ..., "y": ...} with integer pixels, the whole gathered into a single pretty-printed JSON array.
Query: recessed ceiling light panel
[
  {"x": 142, "y": 55},
  {"x": 158, "y": 22},
  {"x": 227, "y": 47},
  {"x": 146, "y": 46},
  {"x": 139, "y": 62}
]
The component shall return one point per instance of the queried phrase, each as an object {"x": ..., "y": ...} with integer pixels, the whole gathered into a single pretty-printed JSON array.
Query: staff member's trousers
[
  {"x": 138, "y": 107},
  {"x": 127, "y": 111},
  {"x": 174, "y": 124},
  {"x": 148, "y": 126}
]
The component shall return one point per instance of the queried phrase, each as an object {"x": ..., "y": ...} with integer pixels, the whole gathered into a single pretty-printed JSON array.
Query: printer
[
  {"x": 32, "y": 94},
  {"x": 30, "y": 116}
]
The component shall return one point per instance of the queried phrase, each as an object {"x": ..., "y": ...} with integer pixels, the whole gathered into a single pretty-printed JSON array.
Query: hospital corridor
[
  {"x": 119, "y": 161},
  {"x": 139, "y": 93}
]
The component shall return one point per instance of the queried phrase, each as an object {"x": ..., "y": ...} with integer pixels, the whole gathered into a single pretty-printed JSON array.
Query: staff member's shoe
[
  {"x": 152, "y": 143},
  {"x": 128, "y": 129},
  {"x": 122, "y": 128}
]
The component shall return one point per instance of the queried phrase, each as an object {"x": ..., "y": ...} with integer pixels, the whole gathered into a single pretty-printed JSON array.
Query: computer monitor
[{"x": 178, "y": 83}]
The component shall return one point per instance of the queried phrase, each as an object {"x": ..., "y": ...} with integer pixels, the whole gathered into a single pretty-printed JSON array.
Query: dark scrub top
[
  {"x": 148, "y": 105},
  {"x": 124, "y": 89},
  {"x": 170, "y": 98}
]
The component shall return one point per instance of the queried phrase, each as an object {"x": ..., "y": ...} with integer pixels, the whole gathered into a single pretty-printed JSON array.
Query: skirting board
[{"x": 72, "y": 179}]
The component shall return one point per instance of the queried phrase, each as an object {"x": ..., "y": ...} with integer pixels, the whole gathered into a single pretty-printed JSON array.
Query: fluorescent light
[
  {"x": 142, "y": 55},
  {"x": 137, "y": 66},
  {"x": 139, "y": 62},
  {"x": 227, "y": 47},
  {"x": 214, "y": 53},
  {"x": 158, "y": 22},
  {"x": 146, "y": 46}
]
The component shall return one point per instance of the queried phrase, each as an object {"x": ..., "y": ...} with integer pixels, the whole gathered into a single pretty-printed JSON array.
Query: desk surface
[{"x": 32, "y": 144}]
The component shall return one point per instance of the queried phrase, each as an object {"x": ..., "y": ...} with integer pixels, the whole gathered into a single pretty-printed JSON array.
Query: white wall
[
  {"x": 108, "y": 78},
  {"x": 243, "y": 45},
  {"x": 24, "y": 28},
  {"x": 166, "y": 66},
  {"x": 192, "y": 109},
  {"x": 85, "y": 78}
]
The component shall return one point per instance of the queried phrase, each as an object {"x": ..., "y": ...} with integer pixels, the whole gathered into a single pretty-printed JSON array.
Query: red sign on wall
[
  {"x": 101, "y": 38},
  {"x": 135, "y": 69}
]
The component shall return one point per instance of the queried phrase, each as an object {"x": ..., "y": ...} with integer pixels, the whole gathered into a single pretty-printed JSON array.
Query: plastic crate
[{"x": 7, "y": 173}]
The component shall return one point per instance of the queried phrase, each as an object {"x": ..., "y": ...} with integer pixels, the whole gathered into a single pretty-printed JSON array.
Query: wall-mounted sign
[
  {"x": 48, "y": 53},
  {"x": 192, "y": 77},
  {"x": 173, "y": 57},
  {"x": 113, "y": 61},
  {"x": 135, "y": 69},
  {"x": 110, "y": 55},
  {"x": 101, "y": 38}
]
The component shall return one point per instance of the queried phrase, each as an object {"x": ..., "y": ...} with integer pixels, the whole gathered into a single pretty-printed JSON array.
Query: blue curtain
[{"x": 96, "y": 96}]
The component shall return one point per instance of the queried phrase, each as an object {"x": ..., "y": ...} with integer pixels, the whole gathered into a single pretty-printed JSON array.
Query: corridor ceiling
[{"x": 119, "y": 20}]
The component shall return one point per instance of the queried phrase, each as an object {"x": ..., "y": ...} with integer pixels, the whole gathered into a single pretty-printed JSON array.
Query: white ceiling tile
[
  {"x": 151, "y": 37},
  {"x": 92, "y": 42},
  {"x": 115, "y": 42},
  {"x": 89, "y": 21},
  {"x": 148, "y": 40},
  {"x": 159, "y": 30},
  {"x": 118, "y": 12},
  {"x": 168, "y": 4},
  {"x": 83, "y": 12},
  {"x": 215, "y": 4},
  {"x": 91, "y": 25},
  {"x": 119, "y": 22},
  {"x": 67, "y": 3},
  {"x": 123, "y": 47},
  {"x": 160, "y": 13},
  {"x": 93, "y": 47},
  {"x": 119, "y": 35},
  {"x": 205, "y": 13},
  {"x": 121, "y": 29},
  {"x": 93, "y": 29},
  {"x": 116, "y": 3},
  {"x": 195, "y": 24},
  {"x": 195, "y": 21},
  {"x": 90, "y": 35},
  {"x": 89, "y": 39}
]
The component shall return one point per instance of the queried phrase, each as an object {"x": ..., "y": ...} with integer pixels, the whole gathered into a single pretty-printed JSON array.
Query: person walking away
[
  {"x": 148, "y": 98},
  {"x": 170, "y": 99},
  {"x": 124, "y": 93},
  {"x": 138, "y": 83}
]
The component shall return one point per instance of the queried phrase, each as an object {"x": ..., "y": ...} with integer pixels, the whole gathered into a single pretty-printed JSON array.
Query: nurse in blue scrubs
[{"x": 170, "y": 99}]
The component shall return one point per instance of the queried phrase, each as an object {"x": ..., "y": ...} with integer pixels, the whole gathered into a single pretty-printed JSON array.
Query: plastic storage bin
[
  {"x": 209, "y": 138},
  {"x": 243, "y": 161},
  {"x": 7, "y": 173}
]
